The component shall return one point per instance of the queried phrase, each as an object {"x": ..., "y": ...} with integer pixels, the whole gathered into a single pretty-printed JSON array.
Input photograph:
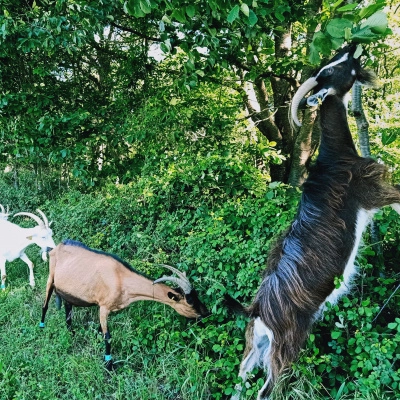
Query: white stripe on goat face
[{"x": 344, "y": 58}]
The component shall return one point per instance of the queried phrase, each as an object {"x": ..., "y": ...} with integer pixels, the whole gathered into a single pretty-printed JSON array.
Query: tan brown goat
[{"x": 86, "y": 277}]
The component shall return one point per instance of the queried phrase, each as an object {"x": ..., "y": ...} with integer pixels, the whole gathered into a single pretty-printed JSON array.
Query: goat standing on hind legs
[
  {"x": 340, "y": 196},
  {"x": 86, "y": 277}
]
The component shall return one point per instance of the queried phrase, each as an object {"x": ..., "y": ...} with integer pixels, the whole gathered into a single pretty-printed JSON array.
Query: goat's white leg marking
[
  {"x": 396, "y": 207},
  {"x": 3, "y": 272},
  {"x": 363, "y": 218},
  {"x": 26, "y": 260},
  {"x": 258, "y": 355}
]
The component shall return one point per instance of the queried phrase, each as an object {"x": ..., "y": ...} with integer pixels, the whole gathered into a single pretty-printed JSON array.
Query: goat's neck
[
  {"x": 336, "y": 140},
  {"x": 138, "y": 287},
  {"x": 28, "y": 234}
]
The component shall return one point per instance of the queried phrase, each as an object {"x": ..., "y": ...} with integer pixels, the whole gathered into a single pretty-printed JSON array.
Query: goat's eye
[{"x": 328, "y": 71}]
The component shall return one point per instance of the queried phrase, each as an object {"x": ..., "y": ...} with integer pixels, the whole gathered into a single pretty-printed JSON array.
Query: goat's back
[
  {"x": 12, "y": 240},
  {"x": 84, "y": 277}
]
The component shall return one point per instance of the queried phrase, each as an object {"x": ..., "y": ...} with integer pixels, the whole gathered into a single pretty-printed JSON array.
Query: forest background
[{"x": 158, "y": 131}]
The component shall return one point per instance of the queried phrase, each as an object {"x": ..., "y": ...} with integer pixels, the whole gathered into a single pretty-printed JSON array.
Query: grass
[
  {"x": 153, "y": 361},
  {"x": 51, "y": 363}
]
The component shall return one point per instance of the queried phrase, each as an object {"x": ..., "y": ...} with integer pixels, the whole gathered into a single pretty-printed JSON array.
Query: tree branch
[{"x": 135, "y": 32}]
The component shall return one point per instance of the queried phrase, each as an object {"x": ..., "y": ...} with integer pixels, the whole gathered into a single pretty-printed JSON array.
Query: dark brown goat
[
  {"x": 340, "y": 196},
  {"x": 86, "y": 277}
]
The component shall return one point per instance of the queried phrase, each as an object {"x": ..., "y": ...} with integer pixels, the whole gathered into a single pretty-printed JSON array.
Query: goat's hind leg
[
  {"x": 68, "y": 315},
  {"x": 104, "y": 311},
  {"x": 3, "y": 273}
]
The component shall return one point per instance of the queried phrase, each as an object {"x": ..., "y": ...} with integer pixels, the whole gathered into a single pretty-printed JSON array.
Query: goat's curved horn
[
  {"x": 181, "y": 274},
  {"x": 308, "y": 85},
  {"x": 182, "y": 281},
  {"x": 45, "y": 220},
  {"x": 2, "y": 209},
  {"x": 33, "y": 216}
]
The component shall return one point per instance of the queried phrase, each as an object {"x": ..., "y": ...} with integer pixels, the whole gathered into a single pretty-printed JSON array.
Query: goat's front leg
[
  {"x": 68, "y": 315},
  {"x": 49, "y": 291},
  {"x": 104, "y": 311},
  {"x": 30, "y": 264},
  {"x": 258, "y": 341},
  {"x": 3, "y": 273},
  {"x": 396, "y": 207}
]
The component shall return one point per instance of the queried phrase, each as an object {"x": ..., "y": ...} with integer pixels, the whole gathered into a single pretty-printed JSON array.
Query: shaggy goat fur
[{"x": 340, "y": 196}]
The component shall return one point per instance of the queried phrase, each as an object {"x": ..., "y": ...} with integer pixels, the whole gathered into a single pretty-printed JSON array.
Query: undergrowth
[{"x": 221, "y": 239}]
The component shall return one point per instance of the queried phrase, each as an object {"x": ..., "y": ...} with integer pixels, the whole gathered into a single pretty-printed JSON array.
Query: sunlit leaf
[
  {"x": 245, "y": 9},
  {"x": 348, "y": 7},
  {"x": 337, "y": 26},
  {"x": 377, "y": 22}
]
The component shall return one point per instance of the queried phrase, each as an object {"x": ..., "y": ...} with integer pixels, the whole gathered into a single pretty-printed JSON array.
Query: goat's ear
[
  {"x": 29, "y": 237},
  {"x": 174, "y": 296}
]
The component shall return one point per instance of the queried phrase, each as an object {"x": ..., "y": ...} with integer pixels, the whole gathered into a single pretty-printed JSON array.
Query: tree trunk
[
  {"x": 365, "y": 149},
  {"x": 306, "y": 142}
]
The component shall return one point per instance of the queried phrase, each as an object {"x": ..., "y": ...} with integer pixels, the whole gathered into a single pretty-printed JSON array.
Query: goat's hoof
[{"x": 109, "y": 365}]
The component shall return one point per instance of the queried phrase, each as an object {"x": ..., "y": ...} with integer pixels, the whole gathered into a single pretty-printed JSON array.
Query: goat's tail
[{"x": 236, "y": 307}]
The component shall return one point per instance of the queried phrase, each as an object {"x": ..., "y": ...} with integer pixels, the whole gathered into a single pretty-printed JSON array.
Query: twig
[{"x": 387, "y": 301}]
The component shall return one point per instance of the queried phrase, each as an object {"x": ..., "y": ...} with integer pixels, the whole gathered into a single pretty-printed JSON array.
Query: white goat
[{"x": 14, "y": 240}]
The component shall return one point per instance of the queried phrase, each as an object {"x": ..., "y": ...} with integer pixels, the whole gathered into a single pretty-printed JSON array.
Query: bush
[{"x": 183, "y": 215}]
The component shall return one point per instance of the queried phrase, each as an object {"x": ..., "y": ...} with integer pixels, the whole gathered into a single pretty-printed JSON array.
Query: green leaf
[
  {"x": 252, "y": 18},
  {"x": 164, "y": 48},
  {"x": 347, "y": 34},
  {"x": 191, "y": 11},
  {"x": 233, "y": 14},
  {"x": 337, "y": 26},
  {"x": 358, "y": 51},
  {"x": 336, "y": 334},
  {"x": 377, "y": 22},
  {"x": 337, "y": 43},
  {"x": 367, "y": 11},
  {"x": 179, "y": 15},
  {"x": 314, "y": 57},
  {"x": 348, "y": 7},
  {"x": 245, "y": 9},
  {"x": 322, "y": 43},
  {"x": 388, "y": 137},
  {"x": 337, "y": 4},
  {"x": 364, "y": 35},
  {"x": 145, "y": 6},
  {"x": 132, "y": 7}
]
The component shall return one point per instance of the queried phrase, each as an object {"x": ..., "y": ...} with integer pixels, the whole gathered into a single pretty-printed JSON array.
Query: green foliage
[
  {"x": 352, "y": 23},
  {"x": 184, "y": 179},
  {"x": 178, "y": 212}
]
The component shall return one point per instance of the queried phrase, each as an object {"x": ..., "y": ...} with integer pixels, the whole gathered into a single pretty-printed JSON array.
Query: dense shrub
[{"x": 191, "y": 214}]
